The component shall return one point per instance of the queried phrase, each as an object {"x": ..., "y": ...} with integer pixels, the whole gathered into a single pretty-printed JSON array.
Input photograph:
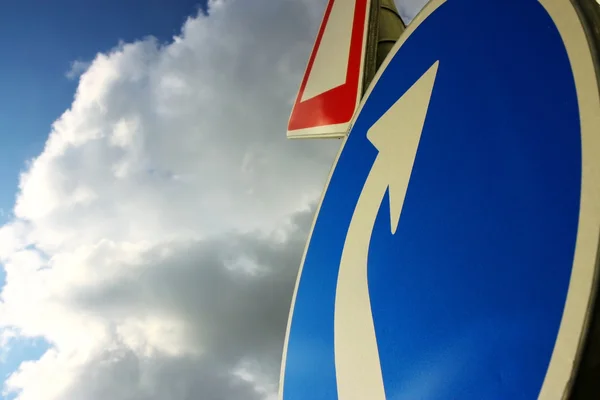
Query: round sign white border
[
  {"x": 577, "y": 312},
  {"x": 578, "y": 306}
]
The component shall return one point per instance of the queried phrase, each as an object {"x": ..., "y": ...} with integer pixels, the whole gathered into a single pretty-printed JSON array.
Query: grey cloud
[
  {"x": 121, "y": 374},
  {"x": 234, "y": 316},
  {"x": 408, "y": 9}
]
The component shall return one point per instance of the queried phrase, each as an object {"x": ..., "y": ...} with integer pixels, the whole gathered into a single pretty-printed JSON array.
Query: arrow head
[{"x": 396, "y": 136}]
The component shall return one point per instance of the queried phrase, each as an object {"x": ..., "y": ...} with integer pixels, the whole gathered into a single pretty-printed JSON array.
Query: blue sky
[{"x": 40, "y": 41}]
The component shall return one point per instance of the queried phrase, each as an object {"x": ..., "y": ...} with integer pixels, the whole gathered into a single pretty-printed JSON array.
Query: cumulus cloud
[
  {"x": 158, "y": 234},
  {"x": 77, "y": 68},
  {"x": 184, "y": 320},
  {"x": 156, "y": 239}
]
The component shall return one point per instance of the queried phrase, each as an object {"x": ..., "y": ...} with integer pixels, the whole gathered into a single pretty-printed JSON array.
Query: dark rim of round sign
[{"x": 586, "y": 381}]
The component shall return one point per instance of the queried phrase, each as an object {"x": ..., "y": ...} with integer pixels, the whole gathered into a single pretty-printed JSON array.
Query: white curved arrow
[{"x": 396, "y": 136}]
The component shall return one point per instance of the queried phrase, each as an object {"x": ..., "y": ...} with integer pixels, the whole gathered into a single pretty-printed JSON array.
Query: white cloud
[
  {"x": 77, "y": 68},
  {"x": 157, "y": 236}
]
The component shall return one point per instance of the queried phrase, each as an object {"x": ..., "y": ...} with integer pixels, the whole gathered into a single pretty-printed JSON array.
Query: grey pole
[{"x": 384, "y": 29}]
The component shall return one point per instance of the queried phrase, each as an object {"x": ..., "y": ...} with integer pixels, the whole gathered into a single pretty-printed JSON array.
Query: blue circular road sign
[{"x": 455, "y": 248}]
